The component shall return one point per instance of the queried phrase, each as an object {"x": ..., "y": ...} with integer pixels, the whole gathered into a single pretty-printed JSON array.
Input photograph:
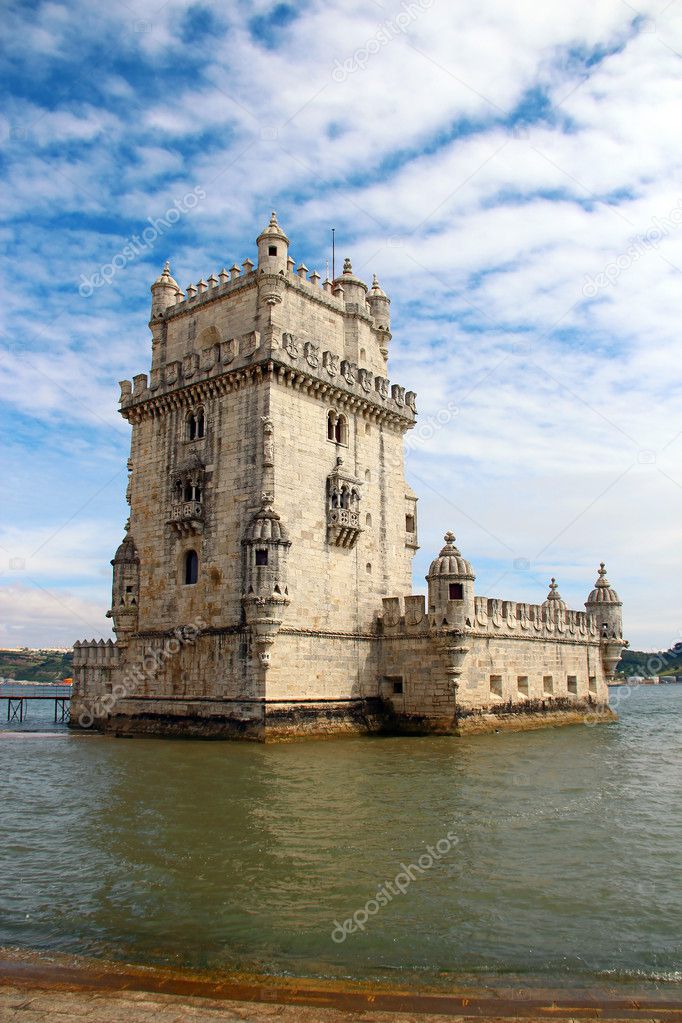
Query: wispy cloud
[{"x": 485, "y": 161}]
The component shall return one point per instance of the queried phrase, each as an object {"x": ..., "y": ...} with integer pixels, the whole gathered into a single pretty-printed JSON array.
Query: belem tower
[{"x": 263, "y": 589}]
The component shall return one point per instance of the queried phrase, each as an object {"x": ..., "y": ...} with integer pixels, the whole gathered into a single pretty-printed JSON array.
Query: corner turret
[
  {"x": 125, "y": 596},
  {"x": 164, "y": 291},
  {"x": 604, "y": 605},
  {"x": 451, "y": 586},
  {"x": 273, "y": 248}
]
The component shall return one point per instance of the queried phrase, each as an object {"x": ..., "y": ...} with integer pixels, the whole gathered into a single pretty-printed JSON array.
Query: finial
[
  {"x": 347, "y": 268},
  {"x": 553, "y": 584},
  {"x": 375, "y": 281},
  {"x": 449, "y": 537},
  {"x": 267, "y": 499},
  {"x": 273, "y": 220},
  {"x": 166, "y": 267},
  {"x": 602, "y": 568},
  {"x": 339, "y": 460}
]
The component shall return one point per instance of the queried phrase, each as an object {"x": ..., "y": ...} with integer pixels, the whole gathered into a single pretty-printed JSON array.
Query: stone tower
[{"x": 268, "y": 505}]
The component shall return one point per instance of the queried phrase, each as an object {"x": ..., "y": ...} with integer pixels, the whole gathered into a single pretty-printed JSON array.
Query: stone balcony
[
  {"x": 187, "y": 517},
  {"x": 344, "y": 526}
]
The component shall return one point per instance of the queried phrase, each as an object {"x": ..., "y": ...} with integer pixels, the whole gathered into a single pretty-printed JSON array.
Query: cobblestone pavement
[{"x": 20, "y": 1004}]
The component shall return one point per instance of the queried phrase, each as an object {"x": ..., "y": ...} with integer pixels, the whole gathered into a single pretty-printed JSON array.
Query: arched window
[
  {"x": 368, "y": 476},
  {"x": 195, "y": 425},
  {"x": 191, "y": 573},
  {"x": 363, "y": 354},
  {"x": 187, "y": 496},
  {"x": 337, "y": 427},
  {"x": 341, "y": 431},
  {"x": 368, "y": 519}
]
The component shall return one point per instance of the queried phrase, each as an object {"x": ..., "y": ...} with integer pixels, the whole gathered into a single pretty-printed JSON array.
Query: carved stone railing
[
  {"x": 187, "y": 517},
  {"x": 344, "y": 526}
]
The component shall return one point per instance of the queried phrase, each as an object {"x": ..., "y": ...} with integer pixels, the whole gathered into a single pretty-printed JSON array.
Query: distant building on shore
[{"x": 264, "y": 585}]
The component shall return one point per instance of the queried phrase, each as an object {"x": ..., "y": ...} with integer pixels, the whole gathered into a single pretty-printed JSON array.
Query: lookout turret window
[
  {"x": 272, "y": 250},
  {"x": 261, "y": 557},
  {"x": 456, "y": 591}
]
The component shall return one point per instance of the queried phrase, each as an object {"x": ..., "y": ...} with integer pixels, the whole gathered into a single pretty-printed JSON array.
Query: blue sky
[{"x": 511, "y": 173}]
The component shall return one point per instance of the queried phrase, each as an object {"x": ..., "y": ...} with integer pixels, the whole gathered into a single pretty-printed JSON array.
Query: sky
[{"x": 511, "y": 171}]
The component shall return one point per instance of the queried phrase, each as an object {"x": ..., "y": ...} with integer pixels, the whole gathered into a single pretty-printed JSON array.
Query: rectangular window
[
  {"x": 410, "y": 524},
  {"x": 394, "y": 683},
  {"x": 522, "y": 685},
  {"x": 592, "y": 685},
  {"x": 456, "y": 591},
  {"x": 398, "y": 687},
  {"x": 572, "y": 683},
  {"x": 272, "y": 250},
  {"x": 547, "y": 685},
  {"x": 496, "y": 685},
  {"x": 261, "y": 557}
]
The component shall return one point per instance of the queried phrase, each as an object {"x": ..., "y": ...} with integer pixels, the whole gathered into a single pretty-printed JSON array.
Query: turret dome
[
  {"x": 273, "y": 230},
  {"x": 450, "y": 562},
  {"x": 266, "y": 525},
  {"x": 126, "y": 552},
  {"x": 603, "y": 592},
  {"x": 554, "y": 597},
  {"x": 165, "y": 279}
]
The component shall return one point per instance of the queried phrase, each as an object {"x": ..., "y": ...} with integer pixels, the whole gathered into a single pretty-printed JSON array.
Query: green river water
[{"x": 556, "y": 855}]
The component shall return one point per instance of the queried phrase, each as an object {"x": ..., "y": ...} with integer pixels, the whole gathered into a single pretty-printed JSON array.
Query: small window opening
[
  {"x": 398, "y": 686},
  {"x": 191, "y": 568},
  {"x": 201, "y": 423},
  {"x": 572, "y": 683},
  {"x": 191, "y": 427},
  {"x": 368, "y": 568},
  {"x": 496, "y": 685},
  {"x": 547, "y": 685},
  {"x": 272, "y": 250},
  {"x": 456, "y": 591},
  {"x": 522, "y": 684},
  {"x": 410, "y": 524},
  {"x": 363, "y": 354},
  {"x": 368, "y": 519},
  {"x": 368, "y": 476},
  {"x": 592, "y": 684},
  {"x": 261, "y": 557}
]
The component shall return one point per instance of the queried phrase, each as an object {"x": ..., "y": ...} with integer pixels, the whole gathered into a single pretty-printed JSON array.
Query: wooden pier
[{"x": 17, "y": 703}]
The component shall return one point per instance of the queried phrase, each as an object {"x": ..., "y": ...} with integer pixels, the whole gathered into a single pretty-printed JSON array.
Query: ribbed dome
[
  {"x": 127, "y": 551},
  {"x": 450, "y": 562},
  {"x": 266, "y": 525},
  {"x": 165, "y": 279},
  {"x": 554, "y": 597},
  {"x": 273, "y": 230},
  {"x": 603, "y": 592}
]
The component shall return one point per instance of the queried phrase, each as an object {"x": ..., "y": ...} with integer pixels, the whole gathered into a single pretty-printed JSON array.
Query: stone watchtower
[{"x": 269, "y": 512}]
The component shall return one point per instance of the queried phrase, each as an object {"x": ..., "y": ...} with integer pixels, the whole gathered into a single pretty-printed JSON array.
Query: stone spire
[
  {"x": 603, "y": 592},
  {"x": 554, "y": 597}
]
